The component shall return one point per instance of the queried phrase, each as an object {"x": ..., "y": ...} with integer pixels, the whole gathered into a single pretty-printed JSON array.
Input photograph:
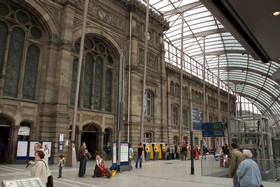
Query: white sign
[
  {"x": 31, "y": 148},
  {"x": 24, "y": 131},
  {"x": 47, "y": 146},
  {"x": 61, "y": 137},
  {"x": 124, "y": 152},
  {"x": 22, "y": 148}
]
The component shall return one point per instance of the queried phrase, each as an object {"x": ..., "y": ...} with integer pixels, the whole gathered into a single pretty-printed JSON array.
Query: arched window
[
  {"x": 108, "y": 91},
  {"x": 29, "y": 84},
  {"x": 88, "y": 81},
  {"x": 185, "y": 117},
  {"x": 148, "y": 137},
  {"x": 24, "y": 40},
  {"x": 172, "y": 88},
  {"x": 177, "y": 89},
  {"x": 175, "y": 140},
  {"x": 174, "y": 115},
  {"x": 73, "y": 81},
  {"x": 98, "y": 83},
  {"x": 148, "y": 107},
  {"x": 97, "y": 75}
]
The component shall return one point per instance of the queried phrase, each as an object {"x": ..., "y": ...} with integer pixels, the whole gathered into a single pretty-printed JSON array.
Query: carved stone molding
[{"x": 152, "y": 60}]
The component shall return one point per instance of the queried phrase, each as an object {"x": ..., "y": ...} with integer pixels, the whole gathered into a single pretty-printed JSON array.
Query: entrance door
[
  {"x": 4, "y": 142},
  {"x": 90, "y": 137}
]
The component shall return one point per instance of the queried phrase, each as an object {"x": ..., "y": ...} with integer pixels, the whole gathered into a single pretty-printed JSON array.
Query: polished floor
[{"x": 159, "y": 173}]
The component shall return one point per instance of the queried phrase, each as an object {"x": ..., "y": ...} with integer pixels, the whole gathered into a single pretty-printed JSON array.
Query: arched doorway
[
  {"x": 107, "y": 137},
  {"x": 5, "y": 125},
  {"x": 90, "y": 135}
]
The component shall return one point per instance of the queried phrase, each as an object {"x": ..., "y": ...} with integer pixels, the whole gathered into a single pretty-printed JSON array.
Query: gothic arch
[
  {"x": 101, "y": 34},
  {"x": 45, "y": 17}
]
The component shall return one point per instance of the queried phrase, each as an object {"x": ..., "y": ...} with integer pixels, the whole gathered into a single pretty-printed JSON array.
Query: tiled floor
[{"x": 153, "y": 174}]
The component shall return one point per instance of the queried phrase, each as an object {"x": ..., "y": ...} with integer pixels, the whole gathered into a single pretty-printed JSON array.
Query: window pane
[
  {"x": 108, "y": 91},
  {"x": 30, "y": 75},
  {"x": 74, "y": 81},
  {"x": 3, "y": 36},
  {"x": 98, "y": 83},
  {"x": 87, "y": 86},
  {"x": 14, "y": 62}
]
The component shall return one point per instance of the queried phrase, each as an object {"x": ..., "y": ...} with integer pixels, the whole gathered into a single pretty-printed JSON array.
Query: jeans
[
  {"x": 138, "y": 158},
  {"x": 82, "y": 168},
  {"x": 235, "y": 181},
  {"x": 60, "y": 171}
]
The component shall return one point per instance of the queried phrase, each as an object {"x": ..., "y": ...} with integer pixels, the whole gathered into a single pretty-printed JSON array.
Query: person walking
[
  {"x": 248, "y": 171},
  {"x": 139, "y": 156},
  {"x": 83, "y": 159},
  {"x": 236, "y": 157},
  {"x": 60, "y": 165}
]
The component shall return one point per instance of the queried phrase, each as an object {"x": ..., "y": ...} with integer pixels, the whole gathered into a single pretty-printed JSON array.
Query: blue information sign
[{"x": 212, "y": 129}]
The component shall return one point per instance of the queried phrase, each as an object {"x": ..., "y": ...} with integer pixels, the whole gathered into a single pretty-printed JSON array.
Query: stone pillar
[
  {"x": 11, "y": 156},
  {"x": 54, "y": 116}
]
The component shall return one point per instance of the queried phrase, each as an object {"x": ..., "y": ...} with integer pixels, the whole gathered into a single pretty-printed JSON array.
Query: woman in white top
[{"x": 39, "y": 167}]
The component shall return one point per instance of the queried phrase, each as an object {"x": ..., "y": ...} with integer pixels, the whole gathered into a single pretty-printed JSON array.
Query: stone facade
[{"x": 49, "y": 113}]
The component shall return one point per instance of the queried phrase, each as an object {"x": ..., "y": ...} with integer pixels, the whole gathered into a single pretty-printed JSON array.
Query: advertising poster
[
  {"x": 31, "y": 148},
  {"x": 22, "y": 147},
  {"x": 47, "y": 146},
  {"x": 124, "y": 152}
]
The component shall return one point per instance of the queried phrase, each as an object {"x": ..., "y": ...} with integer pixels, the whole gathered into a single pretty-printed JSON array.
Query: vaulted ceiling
[{"x": 238, "y": 41}]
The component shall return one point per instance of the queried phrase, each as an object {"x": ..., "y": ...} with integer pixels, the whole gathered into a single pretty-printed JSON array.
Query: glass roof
[{"x": 225, "y": 58}]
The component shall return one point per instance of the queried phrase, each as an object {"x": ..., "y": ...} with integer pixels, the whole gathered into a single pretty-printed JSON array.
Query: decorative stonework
[
  {"x": 11, "y": 108},
  {"x": 109, "y": 121},
  {"x": 94, "y": 118},
  {"x": 28, "y": 111},
  {"x": 152, "y": 60}
]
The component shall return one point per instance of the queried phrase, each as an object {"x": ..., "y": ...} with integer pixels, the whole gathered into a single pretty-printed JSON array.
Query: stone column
[
  {"x": 11, "y": 156},
  {"x": 54, "y": 114}
]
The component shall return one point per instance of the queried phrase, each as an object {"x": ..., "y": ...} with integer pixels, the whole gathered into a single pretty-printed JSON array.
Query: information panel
[
  {"x": 22, "y": 147},
  {"x": 214, "y": 129},
  {"x": 197, "y": 119},
  {"x": 207, "y": 130}
]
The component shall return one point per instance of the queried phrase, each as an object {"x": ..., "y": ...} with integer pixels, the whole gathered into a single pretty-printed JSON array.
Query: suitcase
[{"x": 107, "y": 172}]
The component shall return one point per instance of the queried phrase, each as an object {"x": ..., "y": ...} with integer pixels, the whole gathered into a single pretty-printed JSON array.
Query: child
[{"x": 60, "y": 166}]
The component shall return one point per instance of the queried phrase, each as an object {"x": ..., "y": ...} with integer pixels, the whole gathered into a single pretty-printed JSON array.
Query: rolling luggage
[{"x": 107, "y": 172}]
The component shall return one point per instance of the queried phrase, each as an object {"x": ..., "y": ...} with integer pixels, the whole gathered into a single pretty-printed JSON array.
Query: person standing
[
  {"x": 39, "y": 167},
  {"x": 83, "y": 160},
  {"x": 47, "y": 150},
  {"x": 248, "y": 171},
  {"x": 236, "y": 157},
  {"x": 108, "y": 151},
  {"x": 139, "y": 156},
  {"x": 130, "y": 154},
  {"x": 60, "y": 166},
  {"x": 38, "y": 147}
]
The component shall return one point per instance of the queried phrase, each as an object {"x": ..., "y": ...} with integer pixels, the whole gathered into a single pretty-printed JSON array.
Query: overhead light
[{"x": 276, "y": 13}]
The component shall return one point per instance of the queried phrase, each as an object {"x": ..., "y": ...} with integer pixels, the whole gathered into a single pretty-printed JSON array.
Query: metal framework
[{"x": 224, "y": 55}]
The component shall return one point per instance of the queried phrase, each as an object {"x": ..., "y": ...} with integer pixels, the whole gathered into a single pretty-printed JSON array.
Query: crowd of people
[{"x": 242, "y": 168}]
